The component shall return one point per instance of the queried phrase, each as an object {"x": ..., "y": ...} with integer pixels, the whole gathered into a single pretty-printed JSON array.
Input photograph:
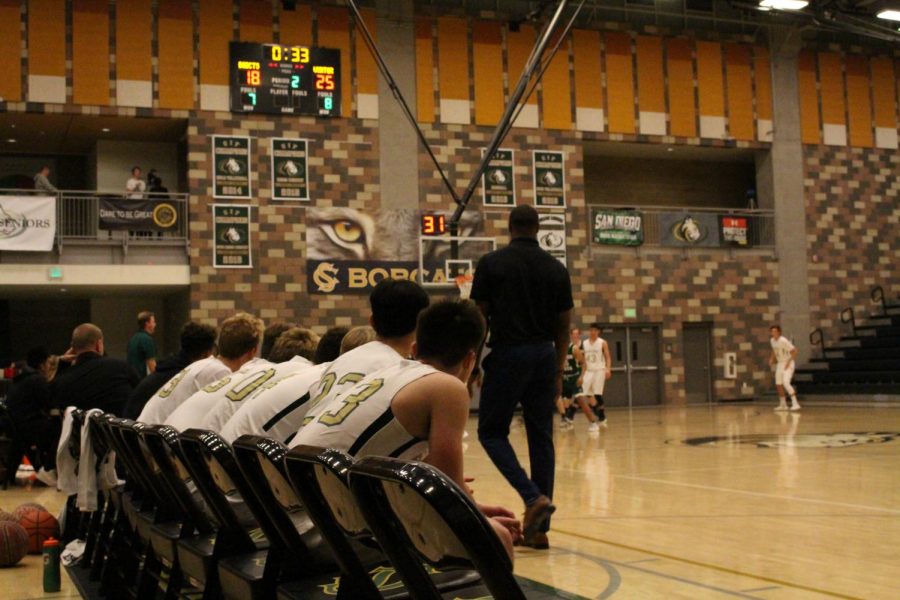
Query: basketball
[
  {"x": 39, "y": 525},
  {"x": 25, "y": 507},
  {"x": 13, "y": 543}
]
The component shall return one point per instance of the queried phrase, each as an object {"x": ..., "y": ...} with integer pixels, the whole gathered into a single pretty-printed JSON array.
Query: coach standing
[{"x": 526, "y": 296}]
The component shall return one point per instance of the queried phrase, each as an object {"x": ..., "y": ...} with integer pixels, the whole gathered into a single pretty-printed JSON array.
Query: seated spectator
[
  {"x": 198, "y": 341},
  {"x": 28, "y": 402},
  {"x": 93, "y": 380},
  {"x": 239, "y": 339}
]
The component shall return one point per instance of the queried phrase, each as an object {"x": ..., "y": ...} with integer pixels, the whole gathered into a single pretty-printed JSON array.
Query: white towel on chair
[{"x": 66, "y": 478}]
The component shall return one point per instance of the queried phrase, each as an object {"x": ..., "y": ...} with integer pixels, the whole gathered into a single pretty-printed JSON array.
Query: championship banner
[
  {"x": 548, "y": 178},
  {"x": 137, "y": 215},
  {"x": 27, "y": 223},
  {"x": 736, "y": 230},
  {"x": 686, "y": 230},
  {"x": 231, "y": 167},
  {"x": 617, "y": 227},
  {"x": 231, "y": 244},
  {"x": 349, "y": 251},
  {"x": 289, "y": 169},
  {"x": 552, "y": 234},
  {"x": 498, "y": 186}
]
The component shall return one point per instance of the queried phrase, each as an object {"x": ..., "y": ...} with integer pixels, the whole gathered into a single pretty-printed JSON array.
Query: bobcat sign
[{"x": 349, "y": 251}]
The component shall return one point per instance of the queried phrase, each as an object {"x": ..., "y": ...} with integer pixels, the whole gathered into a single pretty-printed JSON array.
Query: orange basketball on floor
[
  {"x": 26, "y": 506},
  {"x": 13, "y": 543},
  {"x": 39, "y": 525}
]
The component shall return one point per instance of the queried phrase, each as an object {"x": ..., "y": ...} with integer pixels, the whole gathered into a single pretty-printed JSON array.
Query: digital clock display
[{"x": 277, "y": 79}]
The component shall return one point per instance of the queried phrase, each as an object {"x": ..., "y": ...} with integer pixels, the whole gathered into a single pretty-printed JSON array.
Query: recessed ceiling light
[
  {"x": 11, "y": 140},
  {"x": 670, "y": 149},
  {"x": 13, "y": 125},
  {"x": 105, "y": 130},
  {"x": 63, "y": 290},
  {"x": 890, "y": 15},
  {"x": 784, "y": 4}
]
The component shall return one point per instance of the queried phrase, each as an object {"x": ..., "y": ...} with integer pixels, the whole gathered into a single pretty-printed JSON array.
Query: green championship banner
[
  {"x": 231, "y": 166},
  {"x": 289, "y": 169},
  {"x": 552, "y": 234},
  {"x": 548, "y": 178},
  {"x": 498, "y": 185},
  {"x": 231, "y": 244},
  {"x": 617, "y": 227},
  {"x": 136, "y": 215}
]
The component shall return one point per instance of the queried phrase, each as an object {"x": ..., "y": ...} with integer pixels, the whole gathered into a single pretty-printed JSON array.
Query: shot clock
[{"x": 279, "y": 79}]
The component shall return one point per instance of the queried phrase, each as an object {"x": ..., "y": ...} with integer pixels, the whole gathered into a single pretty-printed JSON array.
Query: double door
[{"x": 634, "y": 350}]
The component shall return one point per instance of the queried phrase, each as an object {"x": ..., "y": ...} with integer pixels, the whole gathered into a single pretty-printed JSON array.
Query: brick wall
[{"x": 852, "y": 215}]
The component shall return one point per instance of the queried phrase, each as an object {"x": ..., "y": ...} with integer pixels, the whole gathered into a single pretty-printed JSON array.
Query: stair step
[
  {"x": 870, "y": 341},
  {"x": 804, "y": 388},
  {"x": 862, "y": 353},
  {"x": 883, "y": 320},
  {"x": 891, "y": 376},
  {"x": 878, "y": 330},
  {"x": 866, "y": 364}
]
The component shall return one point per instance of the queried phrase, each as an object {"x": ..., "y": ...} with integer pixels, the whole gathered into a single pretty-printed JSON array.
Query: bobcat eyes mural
[{"x": 349, "y": 251}]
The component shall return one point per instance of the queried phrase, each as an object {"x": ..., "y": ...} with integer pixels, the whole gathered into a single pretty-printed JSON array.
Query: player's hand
[
  {"x": 467, "y": 481},
  {"x": 69, "y": 355},
  {"x": 496, "y": 511},
  {"x": 558, "y": 385},
  {"x": 608, "y": 374},
  {"x": 512, "y": 525}
]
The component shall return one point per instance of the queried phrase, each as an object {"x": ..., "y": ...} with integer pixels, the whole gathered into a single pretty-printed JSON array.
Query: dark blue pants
[{"x": 523, "y": 375}]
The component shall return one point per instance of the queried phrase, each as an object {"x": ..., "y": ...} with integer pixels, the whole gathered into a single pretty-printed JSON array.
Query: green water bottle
[{"x": 51, "y": 565}]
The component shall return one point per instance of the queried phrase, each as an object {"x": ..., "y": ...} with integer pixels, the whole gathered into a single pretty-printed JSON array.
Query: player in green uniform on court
[{"x": 565, "y": 404}]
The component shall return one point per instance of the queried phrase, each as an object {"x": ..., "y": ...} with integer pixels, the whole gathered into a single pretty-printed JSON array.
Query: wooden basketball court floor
[{"x": 698, "y": 502}]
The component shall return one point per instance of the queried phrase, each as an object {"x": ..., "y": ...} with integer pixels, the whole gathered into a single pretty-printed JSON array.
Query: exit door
[
  {"x": 697, "y": 362},
  {"x": 634, "y": 350}
]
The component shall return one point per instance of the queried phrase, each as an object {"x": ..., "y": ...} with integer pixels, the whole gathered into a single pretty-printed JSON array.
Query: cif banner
[
  {"x": 27, "y": 223},
  {"x": 736, "y": 230},
  {"x": 231, "y": 166},
  {"x": 618, "y": 227},
  {"x": 498, "y": 185},
  {"x": 231, "y": 245},
  {"x": 552, "y": 234},
  {"x": 349, "y": 251},
  {"x": 684, "y": 229},
  {"x": 137, "y": 215}
]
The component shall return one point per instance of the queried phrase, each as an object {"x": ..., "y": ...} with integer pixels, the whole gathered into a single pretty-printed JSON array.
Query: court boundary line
[{"x": 704, "y": 565}]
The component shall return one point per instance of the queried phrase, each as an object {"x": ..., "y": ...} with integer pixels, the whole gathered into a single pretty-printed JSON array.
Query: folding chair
[
  {"x": 251, "y": 574},
  {"x": 319, "y": 477},
  {"x": 417, "y": 513}
]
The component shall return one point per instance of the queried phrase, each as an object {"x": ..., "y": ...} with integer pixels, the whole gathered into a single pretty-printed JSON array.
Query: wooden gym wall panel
[
  {"x": 518, "y": 47},
  {"x": 366, "y": 70},
  {"x": 619, "y": 82},
  {"x": 90, "y": 52},
  {"x": 424, "y": 71},
  {"x": 740, "y": 91},
  {"x": 11, "y": 47},
  {"x": 859, "y": 101},
  {"x": 588, "y": 89},
  {"x": 453, "y": 70},
  {"x": 256, "y": 21},
  {"x": 711, "y": 90},
  {"x": 487, "y": 58},
  {"x": 176, "y": 56},
  {"x": 334, "y": 32},
  {"x": 556, "y": 109},
  {"x": 133, "y": 40},
  {"x": 651, "y": 87},
  {"x": 682, "y": 104},
  {"x": 809, "y": 99},
  {"x": 762, "y": 71},
  {"x": 831, "y": 85},
  {"x": 46, "y": 51},
  {"x": 215, "y": 33},
  {"x": 884, "y": 101},
  {"x": 296, "y": 26}
]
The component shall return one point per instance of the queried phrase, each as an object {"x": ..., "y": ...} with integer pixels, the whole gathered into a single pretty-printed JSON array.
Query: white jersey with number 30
[{"x": 360, "y": 421}]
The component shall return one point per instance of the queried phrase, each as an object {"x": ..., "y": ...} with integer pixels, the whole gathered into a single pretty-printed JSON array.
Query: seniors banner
[{"x": 27, "y": 223}]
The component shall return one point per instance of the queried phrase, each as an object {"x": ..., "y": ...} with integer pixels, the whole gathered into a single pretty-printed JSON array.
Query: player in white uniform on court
[
  {"x": 596, "y": 369},
  {"x": 238, "y": 340},
  {"x": 783, "y": 354},
  {"x": 415, "y": 409},
  {"x": 211, "y": 407},
  {"x": 396, "y": 304},
  {"x": 277, "y": 409}
]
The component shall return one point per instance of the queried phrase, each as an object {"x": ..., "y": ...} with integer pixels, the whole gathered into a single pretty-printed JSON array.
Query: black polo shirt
[
  {"x": 526, "y": 289},
  {"x": 94, "y": 381}
]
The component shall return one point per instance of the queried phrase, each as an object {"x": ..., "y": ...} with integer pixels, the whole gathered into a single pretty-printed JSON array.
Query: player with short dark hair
[
  {"x": 329, "y": 347},
  {"x": 270, "y": 336},
  {"x": 596, "y": 370},
  {"x": 783, "y": 354}
]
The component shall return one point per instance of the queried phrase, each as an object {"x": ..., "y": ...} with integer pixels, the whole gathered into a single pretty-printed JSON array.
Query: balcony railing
[
  {"x": 78, "y": 219},
  {"x": 761, "y": 234}
]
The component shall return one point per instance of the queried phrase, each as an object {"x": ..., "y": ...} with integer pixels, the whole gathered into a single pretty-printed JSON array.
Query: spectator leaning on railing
[{"x": 41, "y": 181}]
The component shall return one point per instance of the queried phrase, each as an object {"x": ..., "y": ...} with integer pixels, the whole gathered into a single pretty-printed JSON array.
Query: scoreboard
[{"x": 279, "y": 79}]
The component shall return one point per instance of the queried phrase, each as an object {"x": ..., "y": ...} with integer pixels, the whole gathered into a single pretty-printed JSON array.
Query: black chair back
[
  {"x": 166, "y": 508},
  {"x": 418, "y": 513},
  {"x": 135, "y": 477}
]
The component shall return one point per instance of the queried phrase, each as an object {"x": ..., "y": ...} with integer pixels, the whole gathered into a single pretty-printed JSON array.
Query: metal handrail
[
  {"x": 817, "y": 338},
  {"x": 877, "y": 295},
  {"x": 847, "y": 316}
]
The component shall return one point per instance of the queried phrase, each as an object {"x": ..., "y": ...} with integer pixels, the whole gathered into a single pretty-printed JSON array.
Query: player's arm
[
  {"x": 793, "y": 354},
  {"x": 608, "y": 357},
  {"x": 151, "y": 365},
  {"x": 561, "y": 342},
  {"x": 772, "y": 358}
]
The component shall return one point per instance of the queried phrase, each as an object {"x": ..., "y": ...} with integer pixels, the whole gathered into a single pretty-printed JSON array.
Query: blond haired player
[
  {"x": 596, "y": 369},
  {"x": 783, "y": 354}
]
